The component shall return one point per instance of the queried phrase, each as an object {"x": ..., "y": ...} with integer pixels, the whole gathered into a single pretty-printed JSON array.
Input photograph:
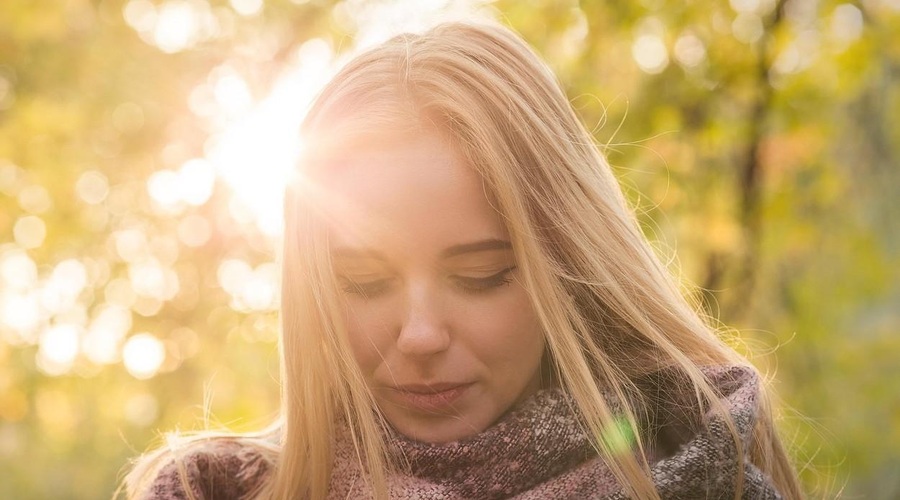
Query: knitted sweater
[{"x": 537, "y": 451}]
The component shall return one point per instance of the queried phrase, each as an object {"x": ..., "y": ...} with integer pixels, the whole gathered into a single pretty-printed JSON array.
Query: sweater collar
[
  {"x": 533, "y": 442},
  {"x": 541, "y": 444}
]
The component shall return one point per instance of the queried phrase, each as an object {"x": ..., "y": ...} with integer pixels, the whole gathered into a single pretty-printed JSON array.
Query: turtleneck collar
[
  {"x": 539, "y": 450},
  {"x": 535, "y": 441}
]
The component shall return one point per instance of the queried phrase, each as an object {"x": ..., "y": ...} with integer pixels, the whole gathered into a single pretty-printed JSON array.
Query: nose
[{"x": 424, "y": 331}]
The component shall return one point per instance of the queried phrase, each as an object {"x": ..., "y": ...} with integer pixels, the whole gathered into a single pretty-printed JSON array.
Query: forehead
[{"x": 407, "y": 192}]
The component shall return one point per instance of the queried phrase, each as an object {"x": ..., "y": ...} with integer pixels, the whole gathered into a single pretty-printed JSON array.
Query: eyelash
[
  {"x": 471, "y": 286},
  {"x": 367, "y": 290},
  {"x": 481, "y": 285}
]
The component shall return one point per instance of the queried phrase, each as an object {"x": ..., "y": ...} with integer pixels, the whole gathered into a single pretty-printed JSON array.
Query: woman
[{"x": 471, "y": 311}]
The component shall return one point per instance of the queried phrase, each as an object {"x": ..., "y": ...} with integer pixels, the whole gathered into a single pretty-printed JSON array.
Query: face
[{"x": 439, "y": 323}]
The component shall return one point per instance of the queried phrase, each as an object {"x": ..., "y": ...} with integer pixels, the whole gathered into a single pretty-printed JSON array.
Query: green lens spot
[{"x": 619, "y": 438}]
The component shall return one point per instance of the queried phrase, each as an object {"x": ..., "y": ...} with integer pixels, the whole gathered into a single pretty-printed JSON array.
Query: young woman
[{"x": 471, "y": 311}]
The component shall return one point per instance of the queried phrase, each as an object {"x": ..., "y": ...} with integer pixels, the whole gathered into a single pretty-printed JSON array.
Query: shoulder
[{"x": 215, "y": 469}]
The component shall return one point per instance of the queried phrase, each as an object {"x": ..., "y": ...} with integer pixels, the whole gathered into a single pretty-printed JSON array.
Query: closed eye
[
  {"x": 484, "y": 284},
  {"x": 367, "y": 289}
]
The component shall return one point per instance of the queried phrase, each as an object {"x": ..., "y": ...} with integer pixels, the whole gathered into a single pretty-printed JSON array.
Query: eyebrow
[
  {"x": 477, "y": 246},
  {"x": 454, "y": 251}
]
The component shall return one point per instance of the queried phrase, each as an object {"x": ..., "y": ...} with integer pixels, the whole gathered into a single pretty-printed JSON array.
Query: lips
[
  {"x": 428, "y": 388},
  {"x": 432, "y": 398}
]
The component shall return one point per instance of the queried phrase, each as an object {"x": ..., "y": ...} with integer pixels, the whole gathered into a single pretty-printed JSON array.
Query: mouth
[
  {"x": 434, "y": 388},
  {"x": 431, "y": 398}
]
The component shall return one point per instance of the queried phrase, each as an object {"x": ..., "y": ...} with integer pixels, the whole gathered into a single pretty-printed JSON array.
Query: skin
[{"x": 431, "y": 290}]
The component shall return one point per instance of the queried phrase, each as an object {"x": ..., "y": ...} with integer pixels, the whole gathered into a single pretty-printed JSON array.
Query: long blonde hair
[{"x": 610, "y": 310}]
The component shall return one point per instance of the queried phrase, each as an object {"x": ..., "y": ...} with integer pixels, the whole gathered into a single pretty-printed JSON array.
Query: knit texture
[{"x": 538, "y": 450}]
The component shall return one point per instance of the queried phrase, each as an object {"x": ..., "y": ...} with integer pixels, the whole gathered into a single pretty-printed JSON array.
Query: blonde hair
[{"x": 610, "y": 310}]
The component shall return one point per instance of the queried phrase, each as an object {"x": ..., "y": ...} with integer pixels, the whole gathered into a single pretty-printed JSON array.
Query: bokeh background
[{"x": 143, "y": 145}]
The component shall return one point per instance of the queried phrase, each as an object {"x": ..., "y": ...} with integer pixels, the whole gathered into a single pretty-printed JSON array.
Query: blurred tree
[
  {"x": 143, "y": 143},
  {"x": 760, "y": 138}
]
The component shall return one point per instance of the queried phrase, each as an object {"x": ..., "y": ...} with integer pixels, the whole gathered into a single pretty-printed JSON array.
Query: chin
[
  {"x": 436, "y": 428},
  {"x": 440, "y": 433}
]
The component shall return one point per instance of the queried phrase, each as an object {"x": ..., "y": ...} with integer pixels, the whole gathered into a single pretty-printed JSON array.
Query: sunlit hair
[{"x": 611, "y": 313}]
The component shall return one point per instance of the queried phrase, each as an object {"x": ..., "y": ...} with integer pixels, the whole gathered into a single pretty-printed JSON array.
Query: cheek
[{"x": 508, "y": 330}]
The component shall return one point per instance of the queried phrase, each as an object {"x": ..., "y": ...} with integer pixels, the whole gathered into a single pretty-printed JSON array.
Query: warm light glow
[
  {"x": 250, "y": 289},
  {"x": 163, "y": 189},
  {"x": 173, "y": 25},
  {"x": 192, "y": 184},
  {"x": 64, "y": 285},
  {"x": 30, "y": 231},
  {"x": 35, "y": 199},
  {"x": 650, "y": 53},
  {"x": 131, "y": 244},
  {"x": 847, "y": 23},
  {"x": 689, "y": 50},
  {"x": 176, "y": 26},
  {"x": 256, "y": 144},
  {"x": 102, "y": 342},
  {"x": 10, "y": 176},
  {"x": 140, "y": 15},
  {"x": 255, "y": 153},
  {"x": 92, "y": 187},
  {"x": 231, "y": 92},
  {"x": 196, "y": 179},
  {"x": 232, "y": 274},
  {"x": 260, "y": 293},
  {"x": 373, "y": 22},
  {"x": 119, "y": 292},
  {"x": 17, "y": 270},
  {"x": 58, "y": 349},
  {"x": 799, "y": 54},
  {"x": 744, "y": 6},
  {"x": 70, "y": 276},
  {"x": 143, "y": 355},
  {"x": 151, "y": 279},
  {"x": 247, "y": 7},
  {"x": 747, "y": 27},
  {"x": 21, "y": 313},
  {"x": 147, "y": 306}
]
